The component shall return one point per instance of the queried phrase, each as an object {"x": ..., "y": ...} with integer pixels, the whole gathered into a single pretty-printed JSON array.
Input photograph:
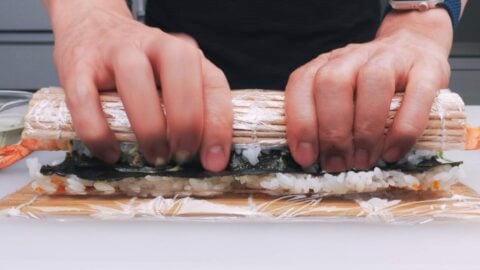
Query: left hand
[{"x": 337, "y": 104}]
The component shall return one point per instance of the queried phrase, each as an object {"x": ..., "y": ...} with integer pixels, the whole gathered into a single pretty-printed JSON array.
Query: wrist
[
  {"x": 63, "y": 13},
  {"x": 434, "y": 24}
]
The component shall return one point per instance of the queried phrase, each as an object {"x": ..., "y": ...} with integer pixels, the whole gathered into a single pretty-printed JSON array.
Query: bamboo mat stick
[
  {"x": 433, "y": 135},
  {"x": 259, "y": 117}
]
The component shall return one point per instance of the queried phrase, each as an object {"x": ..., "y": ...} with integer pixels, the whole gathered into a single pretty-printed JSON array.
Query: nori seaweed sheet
[{"x": 84, "y": 166}]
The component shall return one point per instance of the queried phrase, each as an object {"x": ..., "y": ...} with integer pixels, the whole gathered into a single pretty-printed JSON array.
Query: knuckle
[
  {"x": 376, "y": 69},
  {"x": 341, "y": 51},
  {"x": 73, "y": 59},
  {"x": 297, "y": 74},
  {"x": 324, "y": 56},
  {"x": 218, "y": 109},
  {"x": 336, "y": 137},
  {"x": 154, "y": 39},
  {"x": 306, "y": 71},
  {"x": 179, "y": 49},
  {"x": 352, "y": 46},
  {"x": 77, "y": 96},
  {"x": 155, "y": 33},
  {"x": 367, "y": 133},
  {"x": 187, "y": 38},
  {"x": 216, "y": 72},
  {"x": 337, "y": 52},
  {"x": 78, "y": 52},
  {"x": 218, "y": 119},
  {"x": 129, "y": 61},
  {"x": 330, "y": 74},
  {"x": 320, "y": 59},
  {"x": 216, "y": 80},
  {"x": 393, "y": 50},
  {"x": 427, "y": 86},
  {"x": 408, "y": 132},
  {"x": 310, "y": 69}
]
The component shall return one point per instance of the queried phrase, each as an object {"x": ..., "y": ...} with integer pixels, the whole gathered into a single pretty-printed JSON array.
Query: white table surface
[{"x": 95, "y": 244}]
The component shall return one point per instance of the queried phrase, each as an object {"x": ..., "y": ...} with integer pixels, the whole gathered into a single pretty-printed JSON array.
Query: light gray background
[{"x": 26, "y": 49}]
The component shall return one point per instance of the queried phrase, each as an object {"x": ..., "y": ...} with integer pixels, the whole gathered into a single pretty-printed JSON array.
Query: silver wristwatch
[{"x": 418, "y": 5}]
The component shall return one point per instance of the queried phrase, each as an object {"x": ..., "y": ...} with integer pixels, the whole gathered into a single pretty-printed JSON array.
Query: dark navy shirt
[{"x": 258, "y": 43}]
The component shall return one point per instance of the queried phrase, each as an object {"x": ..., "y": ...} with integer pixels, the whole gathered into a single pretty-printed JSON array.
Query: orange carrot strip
[
  {"x": 11, "y": 154},
  {"x": 60, "y": 189},
  {"x": 417, "y": 187},
  {"x": 436, "y": 185},
  {"x": 472, "y": 138},
  {"x": 56, "y": 180}
]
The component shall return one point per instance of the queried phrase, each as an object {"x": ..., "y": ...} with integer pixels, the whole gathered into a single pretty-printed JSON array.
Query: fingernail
[
  {"x": 392, "y": 154},
  {"x": 361, "y": 159},
  {"x": 216, "y": 158},
  {"x": 159, "y": 162},
  {"x": 182, "y": 156},
  {"x": 335, "y": 164},
  {"x": 305, "y": 153}
]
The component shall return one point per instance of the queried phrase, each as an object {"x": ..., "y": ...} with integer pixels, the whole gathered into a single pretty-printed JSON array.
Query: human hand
[
  {"x": 337, "y": 104},
  {"x": 100, "y": 47}
]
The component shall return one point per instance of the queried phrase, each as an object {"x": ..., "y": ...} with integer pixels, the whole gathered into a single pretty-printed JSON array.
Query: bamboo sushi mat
[{"x": 395, "y": 206}]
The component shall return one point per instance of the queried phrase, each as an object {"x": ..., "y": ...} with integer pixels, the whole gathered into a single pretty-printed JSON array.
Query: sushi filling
[
  {"x": 272, "y": 171},
  {"x": 243, "y": 161}
]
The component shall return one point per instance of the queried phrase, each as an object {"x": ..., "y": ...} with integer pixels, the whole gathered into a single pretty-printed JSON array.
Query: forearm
[
  {"x": 434, "y": 24},
  {"x": 63, "y": 13}
]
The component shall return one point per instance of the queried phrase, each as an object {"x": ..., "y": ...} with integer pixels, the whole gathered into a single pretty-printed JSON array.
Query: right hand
[{"x": 105, "y": 50}]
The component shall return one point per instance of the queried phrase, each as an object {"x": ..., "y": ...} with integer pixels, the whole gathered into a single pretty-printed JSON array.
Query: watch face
[{"x": 414, "y": 4}]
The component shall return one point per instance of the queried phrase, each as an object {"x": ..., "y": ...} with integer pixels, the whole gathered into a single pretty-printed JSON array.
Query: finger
[
  {"x": 135, "y": 83},
  {"x": 337, "y": 53},
  {"x": 301, "y": 119},
  {"x": 425, "y": 78},
  {"x": 334, "y": 88},
  {"x": 375, "y": 89},
  {"x": 178, "y": 65},
  {"x": 88, "y": 118},
  {"x": 217, "y": 131},
  {"x": 187, "y": 38}
]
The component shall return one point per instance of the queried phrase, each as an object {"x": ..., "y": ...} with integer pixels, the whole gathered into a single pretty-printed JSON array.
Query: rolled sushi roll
[
  {"x": 259, "y": 163},
  {"x": 271, "y": 171}
]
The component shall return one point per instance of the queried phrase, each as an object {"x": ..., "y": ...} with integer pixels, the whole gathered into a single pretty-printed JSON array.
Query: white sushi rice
[
  {"x": 252, "y": 153},
  {"x": 438, "y": 178}
]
